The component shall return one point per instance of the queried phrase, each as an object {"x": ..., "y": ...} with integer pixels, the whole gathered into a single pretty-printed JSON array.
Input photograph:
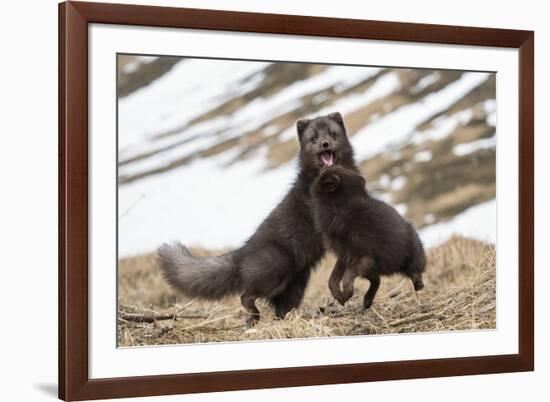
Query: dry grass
[{"x": 459, "y": 295}]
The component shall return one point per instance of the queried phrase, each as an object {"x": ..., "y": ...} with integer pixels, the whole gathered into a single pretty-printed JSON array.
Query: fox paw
[
  {"x": 252, "y": 321},
  {"x": 341, "y": 299},
  {"x": 346, "y": 296},
  {"x": 367, "y": 303}
]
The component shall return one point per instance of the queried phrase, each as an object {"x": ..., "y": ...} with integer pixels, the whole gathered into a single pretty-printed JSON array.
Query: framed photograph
[{"x": 262, "y": 200}]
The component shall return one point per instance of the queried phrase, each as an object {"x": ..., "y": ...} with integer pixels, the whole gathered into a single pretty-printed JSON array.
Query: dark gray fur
[
  {"x": 368, "y": 236},
  {"x": 276, "y": 262}
]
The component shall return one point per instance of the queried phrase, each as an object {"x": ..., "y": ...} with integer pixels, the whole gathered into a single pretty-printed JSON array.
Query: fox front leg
[{"x": 335, "y": 279}]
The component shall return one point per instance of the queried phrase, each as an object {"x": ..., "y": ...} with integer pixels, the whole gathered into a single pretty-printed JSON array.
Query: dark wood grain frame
[{"x": 74, "y": 382}]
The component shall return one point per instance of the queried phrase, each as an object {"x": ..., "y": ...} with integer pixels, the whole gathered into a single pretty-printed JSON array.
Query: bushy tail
[{"x": 203, "y": 277}]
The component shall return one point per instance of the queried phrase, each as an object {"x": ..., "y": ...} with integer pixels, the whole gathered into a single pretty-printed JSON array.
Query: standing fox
[
  {"x": 368, "y": 236},
  {"x": 276, "y": 262}
]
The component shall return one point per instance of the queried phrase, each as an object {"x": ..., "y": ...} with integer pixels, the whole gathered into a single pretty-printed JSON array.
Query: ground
[{"x": 459, "y": 295}]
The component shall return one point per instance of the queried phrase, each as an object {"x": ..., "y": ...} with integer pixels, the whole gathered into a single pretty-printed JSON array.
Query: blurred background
[{"x": 206, "y": 148}]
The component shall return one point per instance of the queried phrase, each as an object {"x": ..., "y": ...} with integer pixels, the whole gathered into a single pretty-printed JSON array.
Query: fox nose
[{"x": 325, "y": 145}]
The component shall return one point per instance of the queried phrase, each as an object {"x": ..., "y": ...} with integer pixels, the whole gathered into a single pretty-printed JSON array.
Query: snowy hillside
[{"x": 208, "y": 148}]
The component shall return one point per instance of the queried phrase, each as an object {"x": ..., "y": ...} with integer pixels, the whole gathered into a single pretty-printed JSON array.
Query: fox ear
[
  {"x": 337, "y": 117},
  {"x": 330, "y": 182},
  {"x": 301, "y": 125}
]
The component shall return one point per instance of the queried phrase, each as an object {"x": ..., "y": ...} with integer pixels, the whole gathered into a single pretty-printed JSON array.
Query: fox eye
[
  {"x": 332, "y": 133},
  {"x": 314, "y": 137}
]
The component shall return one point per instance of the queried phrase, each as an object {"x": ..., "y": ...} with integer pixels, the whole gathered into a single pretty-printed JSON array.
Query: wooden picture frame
[{"x": 74, "y": 381}]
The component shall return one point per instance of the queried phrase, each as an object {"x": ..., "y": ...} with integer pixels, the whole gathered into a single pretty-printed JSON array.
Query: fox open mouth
[{"x": 327, "y": 158}]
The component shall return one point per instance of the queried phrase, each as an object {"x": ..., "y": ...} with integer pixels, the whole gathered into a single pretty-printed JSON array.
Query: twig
[
  {"x": 414, "y": 318},
  {"x": 186, "y": 305},
  {"x": 131, "y": 206},
  {"x": 136, "y": 317},
  {"x": 379, "y": 316},
  {"x": 202, "y": 324},
  {"x": 395, "y": 291}
]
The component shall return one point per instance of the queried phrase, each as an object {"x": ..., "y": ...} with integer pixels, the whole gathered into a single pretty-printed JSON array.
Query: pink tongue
[{"x": 327, "y": 158}]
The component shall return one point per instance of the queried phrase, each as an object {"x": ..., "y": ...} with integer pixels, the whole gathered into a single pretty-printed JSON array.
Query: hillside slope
[{"x": 207, "y": 149}]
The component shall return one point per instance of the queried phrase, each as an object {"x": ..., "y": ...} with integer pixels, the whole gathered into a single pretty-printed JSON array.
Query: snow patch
[
  {"x": 398, "y": 183},
  {"x": 395, "y": 127},
  {"x": 442, "y": 127},
  {"x": 401, "y": 208},
  {"x": 479, "y": 222},
  {"x": 247, "y": 118},
  {"x": 272, "y": 129},
  {"x": 384, "y": 180},
  {"x": 425, "y": 82},
  {"x": 490, "y": 106},
  {"x": 383, "y": 86},
  {"x": 429, "y": 219},
  {"x": 470, "y": 147},
  {"x": 174, "y": 99},
  {"x": 423, "y": 156},
  {"x": 205, "y": 204}
]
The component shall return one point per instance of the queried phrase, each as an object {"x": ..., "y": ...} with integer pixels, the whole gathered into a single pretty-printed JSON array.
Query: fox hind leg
[
  {"x": 249, "y": 303},
  {"x": 373, "y": 288},
  {"x": 347, "y": 284},
  {"x": 360, "y": 267},
  {"x": 292, "y": 295},
  {"x": 335, "y": 279}
]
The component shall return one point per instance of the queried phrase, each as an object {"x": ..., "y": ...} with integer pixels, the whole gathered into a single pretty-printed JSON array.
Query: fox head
[
  {"x": 324, "y": 142},
  {"x": 338, "y": 179}
]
